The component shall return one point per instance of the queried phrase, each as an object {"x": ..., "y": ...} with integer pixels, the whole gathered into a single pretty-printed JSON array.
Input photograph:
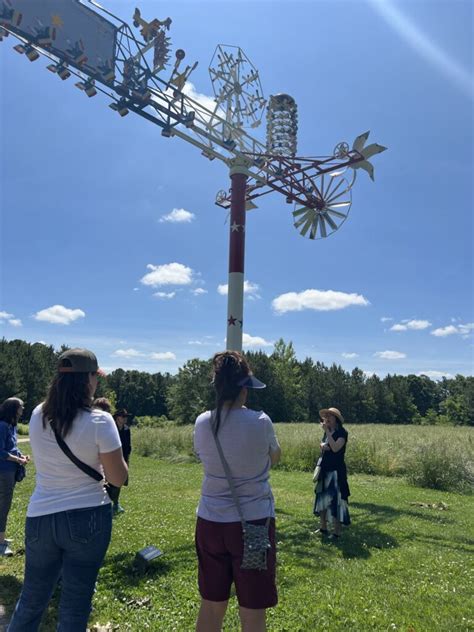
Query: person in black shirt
[
  {"x": 121, "y": 418},
  {"x": 332, "y": 489}
]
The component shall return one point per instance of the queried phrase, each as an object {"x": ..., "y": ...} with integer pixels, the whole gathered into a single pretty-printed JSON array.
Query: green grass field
[{"x": 400, "y": 566}]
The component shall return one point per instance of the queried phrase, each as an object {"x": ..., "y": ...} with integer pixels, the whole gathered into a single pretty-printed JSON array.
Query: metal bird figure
[{"x": 366, "y": 152}]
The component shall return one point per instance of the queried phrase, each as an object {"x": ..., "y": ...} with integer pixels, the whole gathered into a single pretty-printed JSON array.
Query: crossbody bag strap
[
  {"x": 87, "y": 469},
  {"x": 230, "y": 480}
]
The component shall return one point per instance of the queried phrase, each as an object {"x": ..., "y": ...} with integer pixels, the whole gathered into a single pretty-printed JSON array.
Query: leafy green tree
[{"x": 191, "y": 393}]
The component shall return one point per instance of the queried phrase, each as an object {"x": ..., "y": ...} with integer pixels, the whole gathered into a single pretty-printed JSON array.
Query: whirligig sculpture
[{"x": 101, "y": 50}]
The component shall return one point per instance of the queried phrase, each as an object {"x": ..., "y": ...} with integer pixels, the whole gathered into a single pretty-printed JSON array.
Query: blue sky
[{"x": 86, "y": 197}]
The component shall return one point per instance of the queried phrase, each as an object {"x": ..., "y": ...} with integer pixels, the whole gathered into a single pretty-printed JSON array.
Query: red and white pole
[{"x": 235, "y": 298}]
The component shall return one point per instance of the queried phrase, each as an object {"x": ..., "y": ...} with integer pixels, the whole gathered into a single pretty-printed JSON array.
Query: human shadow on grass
[
  {"x": 387, "y": 513},
  {"x": 298, "y": 538},
  {"x": 10, "y": 588}
]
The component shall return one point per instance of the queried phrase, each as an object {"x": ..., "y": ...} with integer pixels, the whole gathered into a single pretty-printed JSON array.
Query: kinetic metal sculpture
[{"x": 102, "y": 51}]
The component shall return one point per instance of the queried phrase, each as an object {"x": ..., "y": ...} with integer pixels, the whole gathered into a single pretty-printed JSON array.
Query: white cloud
[
  {"x": 416, "y": 325},
  {"x": 398, "y": 327},
  {"x": 251, "y": 289},
  {"x": 136, "y": 289},
  {"x": 195, "y": 342},
  {"x": 134, "y": 353},
  {"x": 350, "y": 355},
  {"x": 199, "y": 291},
  {"x": 14, "y": 322},
  {"x": 390, "y": 355},
  {"x": 203, "y": 99},
  {"x": 127, "y": 353},
  {"x": 319, "y": 300},
  {"x": 168, "y": 274},
  {"x": 165, "y": 355},
  {"x": 165, "y": 294},
  {"x": 449, "y": 330},
  {"x": 369, "y": 373},
  {"x": 178, "y": 216},
  {"x": 436, "y": 375},
  {"x": 385, "y": 319},
  {"x": 255, "y": 341},
  {"x": 59, "y": 315}
]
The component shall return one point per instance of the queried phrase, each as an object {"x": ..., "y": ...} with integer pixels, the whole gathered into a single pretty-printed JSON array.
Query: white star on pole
[{"x": 235, "y": 227}]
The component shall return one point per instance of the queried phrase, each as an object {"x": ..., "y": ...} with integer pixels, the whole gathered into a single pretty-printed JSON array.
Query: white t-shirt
[
  {"x": 61, "y": 485},
  {"x": 247, "y": 437}
]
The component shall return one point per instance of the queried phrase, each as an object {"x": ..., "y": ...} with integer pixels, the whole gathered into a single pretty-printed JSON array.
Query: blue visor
[{"x": 251, "y": 382}]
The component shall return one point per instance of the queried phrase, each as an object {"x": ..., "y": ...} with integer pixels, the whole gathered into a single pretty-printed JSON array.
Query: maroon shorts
[{"x": 219, "y": 547}]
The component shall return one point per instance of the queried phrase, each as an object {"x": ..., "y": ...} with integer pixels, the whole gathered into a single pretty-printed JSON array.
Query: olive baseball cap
[{"x": 77, "y": 361}]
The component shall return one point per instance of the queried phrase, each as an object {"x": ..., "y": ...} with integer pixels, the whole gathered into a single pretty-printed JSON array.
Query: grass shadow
[
  {"x": 10, "y": 588},
  {"x": 387, "y": 513},
  {"x": 123, "y": 571}
]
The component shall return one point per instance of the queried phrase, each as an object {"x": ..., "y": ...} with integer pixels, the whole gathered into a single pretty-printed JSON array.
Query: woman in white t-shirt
[
  {"x": 250, "y": 447},
  {"x": 69, "y": 516}
]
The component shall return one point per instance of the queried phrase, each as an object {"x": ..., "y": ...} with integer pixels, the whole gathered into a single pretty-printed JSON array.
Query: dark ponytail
[
  {"x": 68, "y": 394},
  {"x": 230, "y": 367}
]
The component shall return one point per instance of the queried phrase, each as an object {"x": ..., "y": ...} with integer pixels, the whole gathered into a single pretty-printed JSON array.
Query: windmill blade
[
  {"x": 372, "y": 150},
  {"x": 339, "y": 204},
  {"x": 314, "y": 228},
  {"x": 306, "y": 227},
  {"x": 331, "y": 222},
  {"x": 299, "y": 211},
  {"x": 360, "y": 141},
  {"x": 323, "y": 226},
  {"x": 302, "y": 220},
  {"x": 336, "y": 213}
]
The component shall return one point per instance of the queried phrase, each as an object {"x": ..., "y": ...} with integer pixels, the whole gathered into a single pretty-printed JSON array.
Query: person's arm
[
  {"x": 115, "y": 468},
  {"x": 275, "y": 455},
  {"x": 4, "y": 454},
  {"x": 337, "y": 444},
  {"x": 274, "y": 451}
]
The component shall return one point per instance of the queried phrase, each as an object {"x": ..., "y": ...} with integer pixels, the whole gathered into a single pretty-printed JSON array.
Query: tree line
[{"x": 296, "y": 390}]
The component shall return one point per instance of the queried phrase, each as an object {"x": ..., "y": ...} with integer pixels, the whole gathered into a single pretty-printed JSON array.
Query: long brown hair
[
  {"x": 9, "y": 410},
  {"x": 68, "y": 394},
  {"x": 230, "y": 367}
]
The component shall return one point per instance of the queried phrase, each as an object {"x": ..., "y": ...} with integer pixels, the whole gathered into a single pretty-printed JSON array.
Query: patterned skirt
[{"x": 328, "y": 498}]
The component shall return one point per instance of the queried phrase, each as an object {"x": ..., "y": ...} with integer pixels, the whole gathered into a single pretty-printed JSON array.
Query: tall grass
[{"x": 429, "y": 456}]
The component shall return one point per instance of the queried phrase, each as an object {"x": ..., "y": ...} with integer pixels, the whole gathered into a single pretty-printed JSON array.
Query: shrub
[
  {"x": 23, "y": 429},
  {"x": 441, "y": 466}
]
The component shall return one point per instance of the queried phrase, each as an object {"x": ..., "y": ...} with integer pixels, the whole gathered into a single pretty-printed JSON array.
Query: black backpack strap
[{"x": 87, "y": 469}]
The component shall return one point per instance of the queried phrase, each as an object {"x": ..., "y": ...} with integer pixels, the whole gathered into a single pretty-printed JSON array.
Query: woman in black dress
[{"x": 332, "y": 489}]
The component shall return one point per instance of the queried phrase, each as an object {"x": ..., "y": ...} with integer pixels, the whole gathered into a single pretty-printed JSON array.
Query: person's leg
[
  {"x": 42, "y": 568},
  {"x": 214, "y": 574},
  {"x": 256, "y": 589},
  {"x": 323, "y": 521},
  {"x": 84, "y": 535},
  {"x": 7, "y": 486},
  {"x": 211, "y": 616},
  {"x": 253, "y": 620}
]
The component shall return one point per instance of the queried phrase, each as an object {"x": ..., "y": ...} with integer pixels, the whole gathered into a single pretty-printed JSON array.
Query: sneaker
[
  {"x": 120, "y": 509},
  {"x": 5, "y": 550}
]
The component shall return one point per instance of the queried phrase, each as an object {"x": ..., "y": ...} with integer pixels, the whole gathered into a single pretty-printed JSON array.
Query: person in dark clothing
[
  {"x": 121, "y": 418},
  {"x": 332, "y": 489}
]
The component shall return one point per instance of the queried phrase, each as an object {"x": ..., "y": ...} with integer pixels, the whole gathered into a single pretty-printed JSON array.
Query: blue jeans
[{"x": 71, "y": 545}]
